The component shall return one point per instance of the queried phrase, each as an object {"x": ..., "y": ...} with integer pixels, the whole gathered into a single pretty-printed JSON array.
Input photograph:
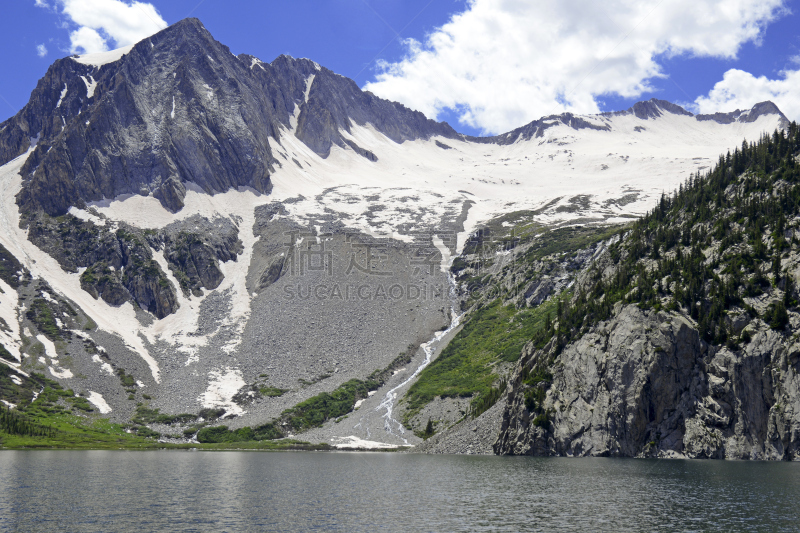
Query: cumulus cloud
[
  {"x": 503, "y": 63},
  {"x": 104, "y": 24},
  {"x": 41, "y": 50},
  {"x": 742, "y": 90}
]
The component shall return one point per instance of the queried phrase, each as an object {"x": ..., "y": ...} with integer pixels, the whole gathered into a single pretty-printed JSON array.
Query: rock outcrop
[{"x": 644, "y": 384}]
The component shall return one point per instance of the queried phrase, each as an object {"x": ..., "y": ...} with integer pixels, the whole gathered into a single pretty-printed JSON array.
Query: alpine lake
[{"x": 369, "y": 491}]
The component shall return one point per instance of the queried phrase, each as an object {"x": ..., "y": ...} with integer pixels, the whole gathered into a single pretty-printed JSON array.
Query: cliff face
[{"x": 644, "y": 384}]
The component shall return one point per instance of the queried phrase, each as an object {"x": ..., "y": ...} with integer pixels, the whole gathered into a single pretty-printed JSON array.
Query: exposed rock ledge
[{"x": 643, "y": 384}]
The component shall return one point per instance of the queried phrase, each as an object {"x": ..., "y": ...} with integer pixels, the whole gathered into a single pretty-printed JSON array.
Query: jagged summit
[
  {"x": 655, "y": 108},
  {"x": 205, "y": 116}
]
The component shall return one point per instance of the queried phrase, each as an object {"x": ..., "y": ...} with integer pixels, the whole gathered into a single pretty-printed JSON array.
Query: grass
[
  {"x": 60, "y": 419},
  {"x": 272, "y": 392},
  {"x": 311, "y": 413},
  {"x": 493, "y": 334}
]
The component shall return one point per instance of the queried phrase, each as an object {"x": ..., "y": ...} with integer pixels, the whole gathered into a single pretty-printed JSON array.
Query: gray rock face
[
  {"x": 537, "y": 128},
  {"x": 209, "y": 136},
  {"x": 119, "y": 264},
  {"x": 194, "y": 248},
  {"x": 643, "y": 384},
  {"x": 655, "y": 108},
  {"x": 468, "y": 437}
]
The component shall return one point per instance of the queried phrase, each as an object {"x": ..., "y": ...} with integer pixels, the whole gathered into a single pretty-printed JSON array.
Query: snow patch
[
  {"x": 298, "y": 108},
  {"x": 49, "y": 347},
  {"x": 16, "y": 380},
  {"x": 61, "y": 373},
  {"x": 10, "y": 338},
  {"x": 120, "y": 321},
  {"x": 172, "y": 113},
  {"x": 9, "y": 404},
  {"x": 90, "y": 86},
  {"x": 222, "y": 387},
  {"x": 63, "y": 94},
  {"x": 447, "y": 260},
  {"x": 356, "y": 442},
  {"x": 86, "y": 216},
  {"x": 103, "y": 58},
  {"x": 103, "y": 365},
  {"x": 98, "y": 401}
]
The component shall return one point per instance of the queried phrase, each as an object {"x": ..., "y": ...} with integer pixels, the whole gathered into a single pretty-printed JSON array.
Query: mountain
[{"x": 190, "y": 232}]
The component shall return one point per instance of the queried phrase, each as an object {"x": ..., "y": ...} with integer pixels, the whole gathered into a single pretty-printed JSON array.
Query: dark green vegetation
[
  {"x": 483, "y": 402},
  {"x": 537, "y": 382},
  {"x": 14, "y": 423},
  {"x": 312, "y": 412},
  {"x": 5, "y": 354},
  {"x": 221, "y": 434},
  {"x": 126, "y": 379},
  {"x": 59, "y": 418},
  {"x": 323, "y": 407},
  {"x": 56, "y": 418},
  {"x": 306, "y": 415},
  {"x": 721, "y": 238},
  {"x": 41, "y": 315},
  {"x": 716, "y": 241},
  {"x": 9, "y": 268}
]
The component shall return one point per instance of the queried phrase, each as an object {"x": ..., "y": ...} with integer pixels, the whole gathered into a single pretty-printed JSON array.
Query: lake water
[{"x": 252, "y": 491}]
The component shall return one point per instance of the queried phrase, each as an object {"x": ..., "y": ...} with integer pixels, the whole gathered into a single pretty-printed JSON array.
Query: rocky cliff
[{"x": 644, "y": 384}]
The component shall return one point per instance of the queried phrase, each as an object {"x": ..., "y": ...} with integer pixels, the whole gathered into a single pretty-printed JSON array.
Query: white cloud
[
  {"x": 741, "y": 90},
  {"x": 109, "y": 23},
  {"x": 86, "y": 40},
  {"x": 503, "y": 63},
  {"x": 41, "y": 50},
  {"x": 41, "y": 3}
]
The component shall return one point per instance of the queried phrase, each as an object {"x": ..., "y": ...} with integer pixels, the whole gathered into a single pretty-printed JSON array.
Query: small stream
[{"x": 390, "y": 424}]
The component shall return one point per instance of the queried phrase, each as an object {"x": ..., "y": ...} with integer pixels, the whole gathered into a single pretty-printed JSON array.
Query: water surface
[{"x": 251, "y": 491}]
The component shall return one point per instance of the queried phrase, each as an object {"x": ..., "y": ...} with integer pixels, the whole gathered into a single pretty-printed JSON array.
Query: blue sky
[{"x": 485, "y": 66}]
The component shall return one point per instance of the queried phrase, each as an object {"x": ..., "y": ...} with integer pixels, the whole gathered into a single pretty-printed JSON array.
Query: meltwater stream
[{"x": 428, "y": 348}]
